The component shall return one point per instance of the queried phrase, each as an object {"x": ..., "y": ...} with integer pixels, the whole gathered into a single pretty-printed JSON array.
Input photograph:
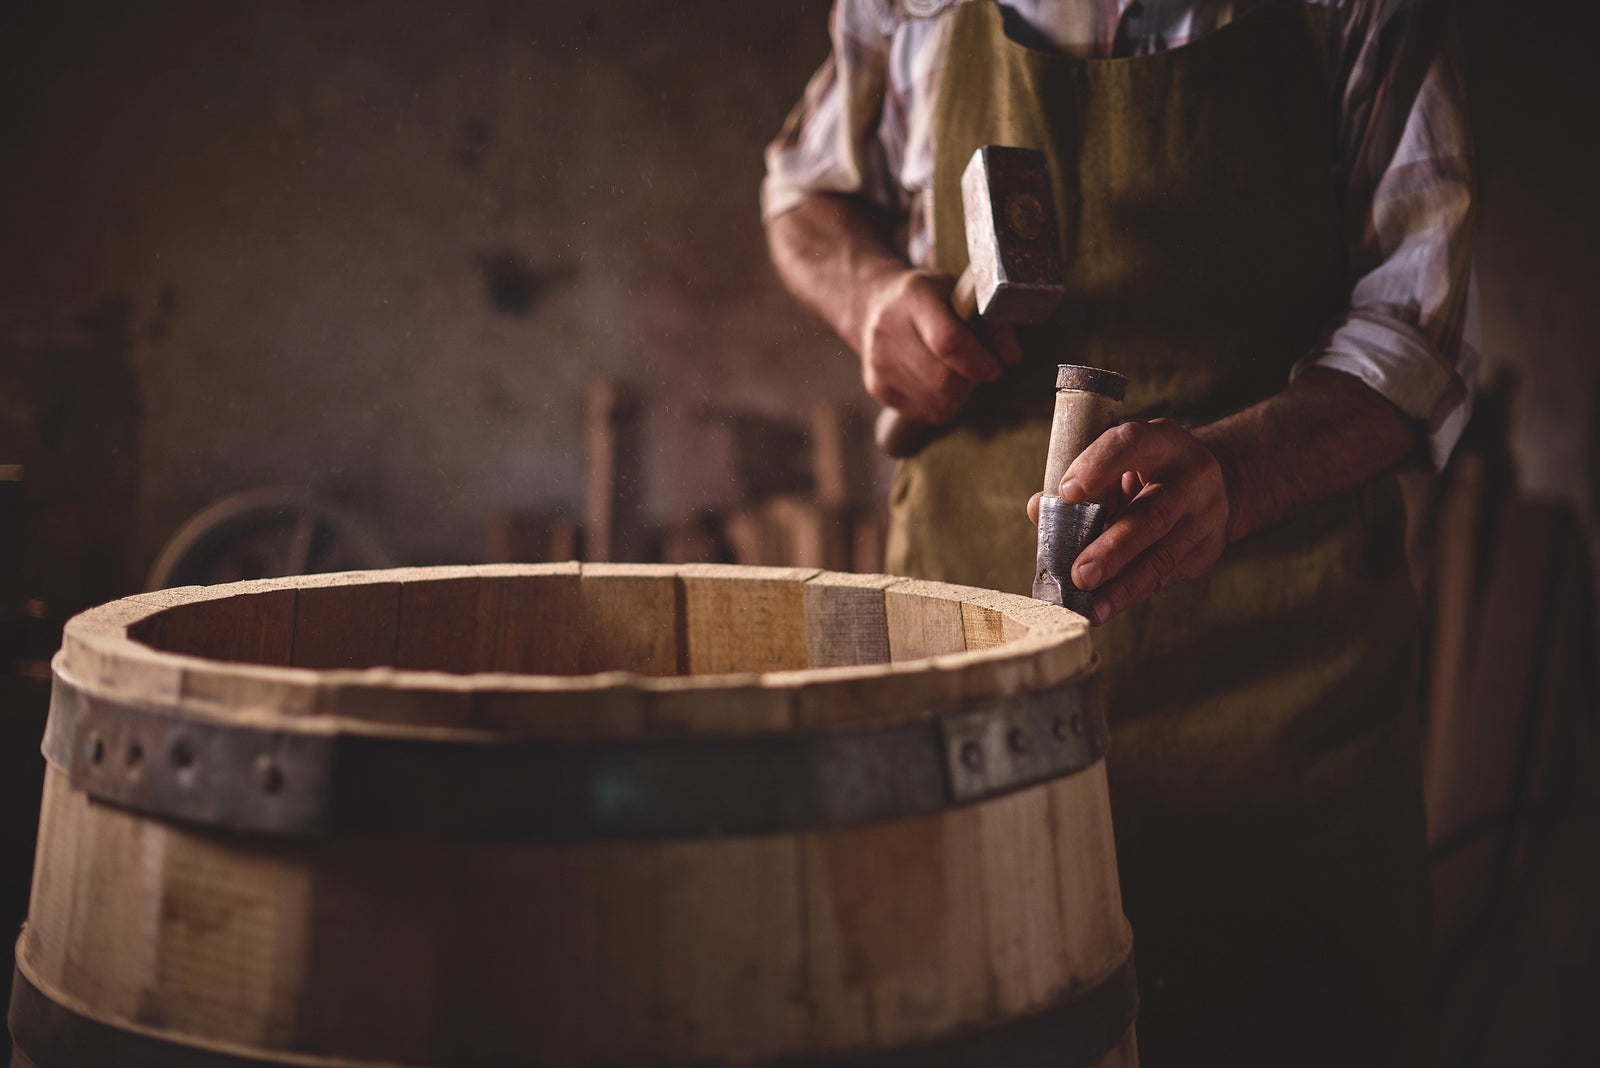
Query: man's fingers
[
  {"x": 1147, "y": 520},
  {"x": 1130, "y": 486},
  {"x": 920, "y": 389},
  {"x": 1033, "y": 508},
  {"x": 1003, "y": 342},
  {"x": 948, "y": 340},
  {"x": 940, "y": 391},
  {"x": 918, "y": 358},
  {"x": 1168, "y": 560},
  {"x": 1141, "y": 447}
]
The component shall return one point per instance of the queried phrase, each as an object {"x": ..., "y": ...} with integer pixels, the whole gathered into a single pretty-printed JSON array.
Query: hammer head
[{"x": 1013, "y": 248}]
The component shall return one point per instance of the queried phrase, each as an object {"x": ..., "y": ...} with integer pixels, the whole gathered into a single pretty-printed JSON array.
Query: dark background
[{"x": 378, "y": 252}]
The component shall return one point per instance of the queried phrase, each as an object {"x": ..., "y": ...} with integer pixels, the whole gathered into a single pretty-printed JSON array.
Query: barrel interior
[{"x": 660, "y": 621}]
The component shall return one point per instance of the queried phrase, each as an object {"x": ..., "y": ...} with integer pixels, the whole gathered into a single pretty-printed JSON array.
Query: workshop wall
[
  {"x": 379, "y": 249},
  {"x": 1512, "y": 767},
  {"x": 1533, "y": 93}
]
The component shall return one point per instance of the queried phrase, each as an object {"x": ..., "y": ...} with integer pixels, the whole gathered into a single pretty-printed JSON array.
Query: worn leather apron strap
[{"x": 1264, "y": 767}]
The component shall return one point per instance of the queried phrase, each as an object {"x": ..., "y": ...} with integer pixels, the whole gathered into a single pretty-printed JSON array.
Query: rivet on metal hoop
[{"x": 268, "y": 774}]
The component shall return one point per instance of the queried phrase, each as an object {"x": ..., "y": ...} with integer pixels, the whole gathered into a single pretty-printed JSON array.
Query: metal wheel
[{"x": 263, "y": 533}]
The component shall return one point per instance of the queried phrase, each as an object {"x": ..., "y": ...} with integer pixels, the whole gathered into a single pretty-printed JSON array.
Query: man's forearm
[
  {"x": 1325, "y": 433},
  {"x": 830, "y": 251}
]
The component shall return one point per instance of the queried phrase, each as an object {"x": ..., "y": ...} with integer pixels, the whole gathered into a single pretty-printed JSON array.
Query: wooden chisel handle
[
  {"x": 1086, "y": 407},
  {"x": 898, "y": 436},
  {"x": 1087, "y": 399}
]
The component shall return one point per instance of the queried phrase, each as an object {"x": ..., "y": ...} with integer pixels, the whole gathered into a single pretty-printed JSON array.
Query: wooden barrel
[{"x": 559, "y": 815}]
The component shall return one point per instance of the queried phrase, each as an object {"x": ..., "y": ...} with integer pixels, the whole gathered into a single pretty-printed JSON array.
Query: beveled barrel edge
[{"x": 98, "y": 651}]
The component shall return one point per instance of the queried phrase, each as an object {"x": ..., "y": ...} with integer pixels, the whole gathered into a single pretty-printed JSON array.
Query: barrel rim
[{"x": 98, "y": 650}]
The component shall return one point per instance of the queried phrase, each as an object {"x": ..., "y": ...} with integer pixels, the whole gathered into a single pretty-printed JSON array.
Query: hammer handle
[{"x": 898, "y": 436}]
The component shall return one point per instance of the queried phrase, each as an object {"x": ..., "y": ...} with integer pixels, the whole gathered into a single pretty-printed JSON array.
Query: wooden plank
[
  {"x": 288, "y": 692},
  {"x": 731, "y": 957},
  {"x": 1021, "y": 899},
  {"x": 250, "y": 622},
  {"x": 438, "y": 625},
  {"x": 588, "y": 708},
  {"x": 147, "y": 923},
  {"x": 611, "y": 1011},
  {"x": 98, "y": 929},
  {"x": 97, "y": 651},
  {"x": 345, "y": 622},
  {"x": 896, "y": 942},
  {"x": 845, "y": 620},
  {"x": 126, "y": 668},
  {"x": 740, "y": 707},
  {"x": 632, "y": 616},
  {"x": 379, "y": 920},
  {"x": 834, "y": 888},
  {"x": 876, "y": 693},
  {"x": 924, "y": 620},
  {"x": 383, "y": 700},
  {"x": 264, "y": 632},
  {"x": 570, "y": 935},
  {"x": 239, "y": 625},
  {"x": 1054, "y": 641},
  {"x": 47, "y": 938},
  {"x": 1094, "y": 934},
  {"x": 532, "y": 620},
  {"x": 744, "y": 619},
  {"x": 231, "y": 931},
  {"x": 984, "y": 628}
]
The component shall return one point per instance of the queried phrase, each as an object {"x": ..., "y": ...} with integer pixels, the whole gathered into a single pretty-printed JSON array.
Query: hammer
[{"x": 1013, "y": 272}]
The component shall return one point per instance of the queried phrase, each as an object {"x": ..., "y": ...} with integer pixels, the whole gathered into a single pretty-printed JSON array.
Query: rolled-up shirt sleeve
[
  {"x": 1409, "y": 208},
  {"x": 831, "y": 141}
]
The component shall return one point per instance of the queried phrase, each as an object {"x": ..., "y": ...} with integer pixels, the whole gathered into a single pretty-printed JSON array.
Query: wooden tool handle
[
  {"x": 1086, "y": 407},
  {"x": 964, "y": 298},
  {"x": 898, "y": 436}
]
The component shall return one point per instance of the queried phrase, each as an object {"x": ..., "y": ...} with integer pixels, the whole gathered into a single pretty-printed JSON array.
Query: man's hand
[
  {"x": 1177, "y": 497},
  {"x": 917, "y": 357},
  {"x": 1169, "y": 510}
]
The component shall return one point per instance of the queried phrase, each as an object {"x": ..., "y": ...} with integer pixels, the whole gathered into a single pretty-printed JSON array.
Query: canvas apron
[{"x": 1264, "y": 767}]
